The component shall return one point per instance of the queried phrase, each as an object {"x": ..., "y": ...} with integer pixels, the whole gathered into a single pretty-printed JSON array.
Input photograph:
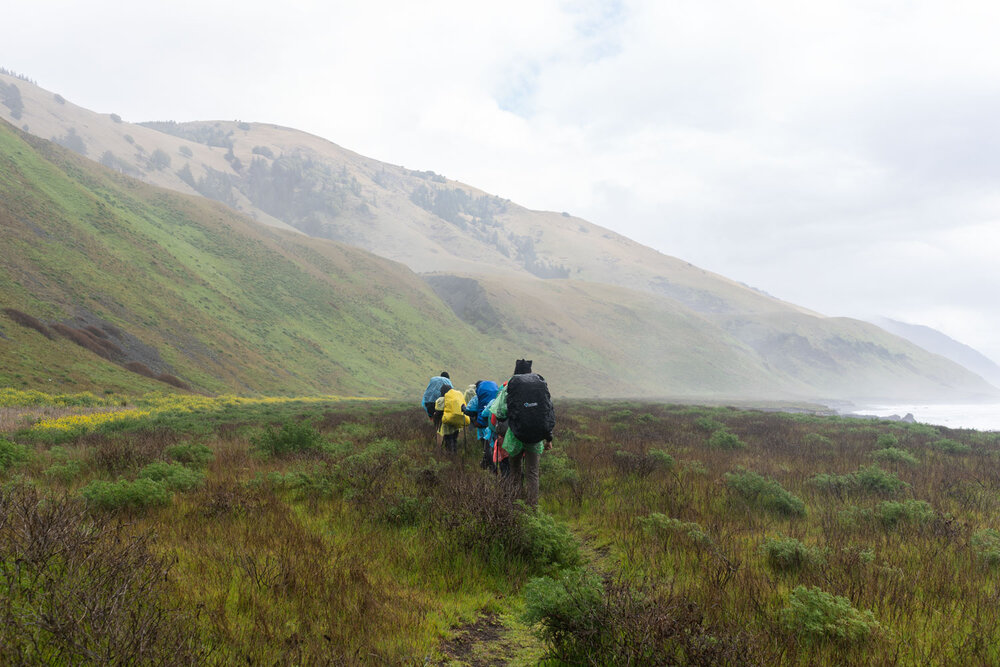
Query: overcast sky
[{"x": 844, "y": 156}]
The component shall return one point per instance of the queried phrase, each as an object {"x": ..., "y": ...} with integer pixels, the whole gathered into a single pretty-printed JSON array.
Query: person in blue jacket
[
  {"x": 433, "y": 393},
  {"x": 486, "y": 391}
]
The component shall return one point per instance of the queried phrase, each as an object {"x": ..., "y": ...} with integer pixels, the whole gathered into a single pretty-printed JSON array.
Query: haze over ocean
[{"x": 979, "y": 416}]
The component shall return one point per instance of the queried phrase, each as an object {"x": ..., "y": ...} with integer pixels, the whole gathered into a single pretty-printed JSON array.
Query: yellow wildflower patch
[{"x": 88, "y": 422}]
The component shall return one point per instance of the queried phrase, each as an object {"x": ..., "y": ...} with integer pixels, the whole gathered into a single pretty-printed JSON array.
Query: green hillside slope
[{"x": 190, "y": 289}]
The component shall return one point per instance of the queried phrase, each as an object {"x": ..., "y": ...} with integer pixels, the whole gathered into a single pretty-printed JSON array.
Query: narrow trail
[{"x": 503, "y": 639}]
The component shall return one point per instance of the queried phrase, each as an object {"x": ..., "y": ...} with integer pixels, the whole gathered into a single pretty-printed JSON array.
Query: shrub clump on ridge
[
  {"x": 765, "y": 493},
  {"x": 123, "y": 494},
  {"x": 787, "y": 554},
  {"x": 291, "y": 438},
  {"x": 816, "y": 614}
]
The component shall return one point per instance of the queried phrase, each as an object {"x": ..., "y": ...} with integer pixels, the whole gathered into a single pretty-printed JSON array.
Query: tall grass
[{"x": 334, "y": 531}]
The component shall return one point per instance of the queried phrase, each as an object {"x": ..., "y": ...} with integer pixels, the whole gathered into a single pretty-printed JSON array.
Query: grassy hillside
[{"x": 188, "y": 288}]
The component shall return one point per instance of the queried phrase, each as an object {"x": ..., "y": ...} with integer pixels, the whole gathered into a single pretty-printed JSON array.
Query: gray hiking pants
[{"x": 529, "y": 489}]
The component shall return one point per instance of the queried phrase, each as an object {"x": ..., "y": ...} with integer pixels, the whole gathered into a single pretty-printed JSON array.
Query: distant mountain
[
  {"x": 601, "y": 314},
  {"x": 949, "y": 348}
]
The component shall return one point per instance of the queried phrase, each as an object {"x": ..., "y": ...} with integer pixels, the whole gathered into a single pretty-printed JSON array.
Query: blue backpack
[{"x": 485, "y": 393}]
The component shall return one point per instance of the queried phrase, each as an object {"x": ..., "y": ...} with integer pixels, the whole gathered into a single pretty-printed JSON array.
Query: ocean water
[{"x": 979, "y": 416}]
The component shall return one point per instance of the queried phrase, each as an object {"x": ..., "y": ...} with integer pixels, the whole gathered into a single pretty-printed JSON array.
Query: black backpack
[{"x": 530, "y": 414}]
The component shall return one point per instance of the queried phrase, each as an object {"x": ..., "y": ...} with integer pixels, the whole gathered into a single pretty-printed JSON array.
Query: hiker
[
  {"x": 433, "y": 392},
  {"x": 452, "y": 419},
  {"x": 476, "y": 408},
  {"x": 525, "y": 403},
  {"x": 499, "y": 458}
]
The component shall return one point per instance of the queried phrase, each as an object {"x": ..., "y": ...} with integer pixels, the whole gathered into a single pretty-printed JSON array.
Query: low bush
[
  {"x": 65, "y": 472},
  {"x": 548, "y": 542},
  {"x": 12, "y": 454},
  {"x": 557, "y": 469},
  {"x": 886, "y": 440},
  {"x": 787, "y": 554},
  {"x": 82, "y": 589},
  {"x": 585, "y": 621},
  {"x": 812, "y": 613},
  {"x": 475, "y": 514},
  {"x": 867, "y": 479},
  {"x": 123, "y": 494},
  {"x": 312, "y": 482},
  {"x": 895, "y": 455},
  {"x": 725, "y": 439},
  {"x": 986, "y": 546},
  {"x": 292, "y": 438},
  {"x": 571, "y": 613},
  {"x": 364, "y": 473},
  {"x": 950, "y": 446},
  {"x": 630, "y": 463},
  {"x": 405, "y": 511},
  {"x": 197, "y": 455},
  {"x": 708, "y": 424},
  {"x": 872, "y": 479},
  {"x": 667, "y": 529},
  {"x": 661, "y": 459},
  {"x": 764, "y": 493},
  {"x": 908, "y": 512},
  {"x": 173, "y": 475}
]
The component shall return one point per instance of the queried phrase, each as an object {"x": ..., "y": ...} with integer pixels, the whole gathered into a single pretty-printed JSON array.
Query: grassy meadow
[{"x": 164, "y": 529}]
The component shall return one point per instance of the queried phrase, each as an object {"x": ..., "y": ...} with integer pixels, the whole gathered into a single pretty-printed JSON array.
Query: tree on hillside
[
  {"x": 72, "y": 141},
  {"x": 10, "y": 96},
  {"x": 159, "y": 160}
]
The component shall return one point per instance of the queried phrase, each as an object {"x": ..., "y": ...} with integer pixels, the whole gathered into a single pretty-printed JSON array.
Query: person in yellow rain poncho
[{"x": 453, "y": 420}]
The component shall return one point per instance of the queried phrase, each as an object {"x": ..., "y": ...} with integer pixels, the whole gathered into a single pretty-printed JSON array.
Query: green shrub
[
  {"x": 867, "y": 479},
  {"x": 986, "y": 545},
  {"x": 886, "y": 440},
  {"x": 725, "y": 439},
  {"x": 547, "y": 541},
  {"x": 586, "y": 621},
  {"x": 123, "y": 494},
  {"x": 317, "y": 481},
  {"x": 787, "y": 554},
  {"x": 406, "y": 511},
  {"x": 557, "y": 469},
  {"x": 895, "y": 455},
  {"x": 665, "y": 528},
  {"x": 362, "y": 473},
  {"x": 197, "y": 455},
  {"x": 12, "y": 454},
  {"x": 173, "y": 475},
  {"x": 833, "y": 483},
  {"x": 661, "y": 459},
  {"x": 814, "y": 613},
  {"x": 765, "y": 493},
  {"x": 569, "y": 609},
  {"x": 872, "y": 479},
  {"x": 951, "y": 446},
  {"x": 292, "y": 438},
  {"x": 909, "y": 512},
  {"x": 708, "y": 424},
  {"x": 64, "y": 472},
  {"x": 620, "y": 415}
]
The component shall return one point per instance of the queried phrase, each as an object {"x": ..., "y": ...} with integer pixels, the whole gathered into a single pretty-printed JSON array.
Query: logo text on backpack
[{"x": 531, "y": 405}]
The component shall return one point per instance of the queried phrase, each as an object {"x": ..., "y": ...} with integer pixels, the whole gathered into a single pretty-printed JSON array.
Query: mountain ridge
[{"x": 528, "y": 264}]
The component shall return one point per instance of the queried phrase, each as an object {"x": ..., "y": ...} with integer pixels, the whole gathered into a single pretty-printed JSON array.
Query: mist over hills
[
  {"x": 317, "y": 297},
  {"x": 939, "y": 343}
]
